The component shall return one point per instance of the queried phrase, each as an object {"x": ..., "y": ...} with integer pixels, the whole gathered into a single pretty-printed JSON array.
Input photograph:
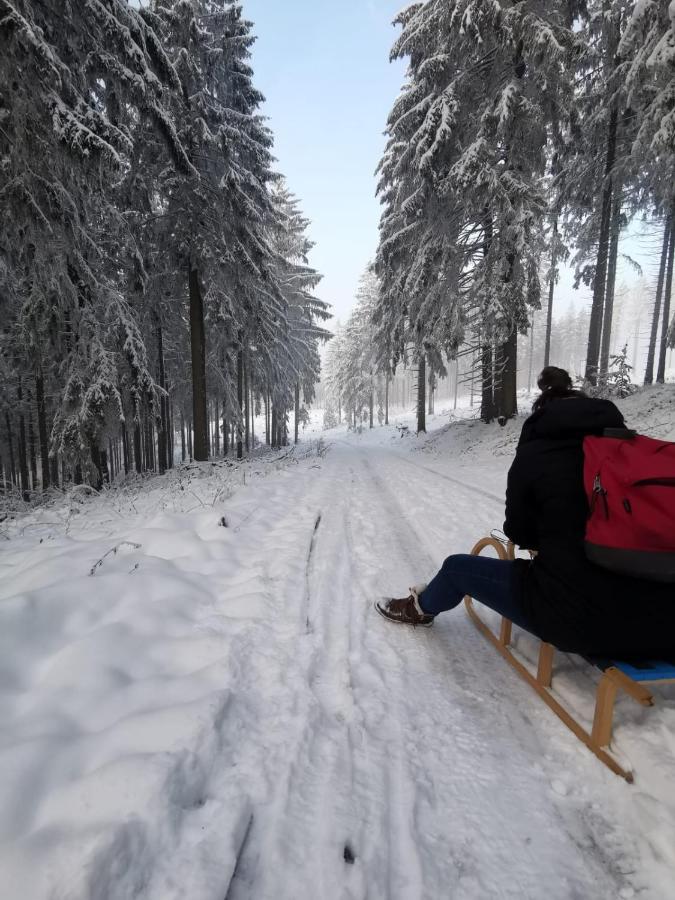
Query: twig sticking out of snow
[{"x": 113, "y": 550}]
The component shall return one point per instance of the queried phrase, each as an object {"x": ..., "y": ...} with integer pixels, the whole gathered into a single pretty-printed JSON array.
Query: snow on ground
[{"x": 217, "y": 713}]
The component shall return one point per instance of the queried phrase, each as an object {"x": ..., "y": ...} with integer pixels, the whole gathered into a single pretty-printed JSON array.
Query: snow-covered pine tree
[
  {"x": 218, "y": 224},
  {"x": 631, "y": 176},
  {"x": 462, "y": 179},
  {"x": 83, "y": 73},
  {"x": 619, "y": 382},
  {"x": 647, "y": 48},
  {"x": 290, "y": 367},
  {"x": 352, "y": 373}
]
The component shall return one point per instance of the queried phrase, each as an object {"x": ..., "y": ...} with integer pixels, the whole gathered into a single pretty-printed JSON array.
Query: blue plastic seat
[{"x": 642, "y": 670}]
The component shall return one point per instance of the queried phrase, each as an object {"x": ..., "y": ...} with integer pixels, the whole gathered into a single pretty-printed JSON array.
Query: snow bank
[
  {"x": 218, "y": 697},
  {"x": 123, "y": 692}
]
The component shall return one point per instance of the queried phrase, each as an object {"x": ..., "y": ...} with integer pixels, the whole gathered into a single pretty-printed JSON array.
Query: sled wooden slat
[
  {"x": 545, "y": 667},
  {"x": 550, "y": 700},
  {"x": 613, "y": 679}
]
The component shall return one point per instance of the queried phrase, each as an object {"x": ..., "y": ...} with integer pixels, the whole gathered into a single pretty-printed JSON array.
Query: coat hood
[{"x": 572, "y": 417}]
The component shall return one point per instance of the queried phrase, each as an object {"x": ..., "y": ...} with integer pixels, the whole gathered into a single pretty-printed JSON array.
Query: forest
[
  {"x": 154, "y": 284},
  {"x": 154, "y": 275},
  {"x": 527, "y": 136}
]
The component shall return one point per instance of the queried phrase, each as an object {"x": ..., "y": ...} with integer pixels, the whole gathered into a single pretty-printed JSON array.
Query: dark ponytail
[{"x": 554, "y": 384}]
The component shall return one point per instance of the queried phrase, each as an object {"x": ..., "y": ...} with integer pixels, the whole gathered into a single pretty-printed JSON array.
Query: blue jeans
[{"x": 490, "y": 581}]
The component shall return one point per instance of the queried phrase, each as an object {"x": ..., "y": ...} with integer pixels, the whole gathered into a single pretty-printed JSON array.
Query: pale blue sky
[{"x": 324, "y": 69}]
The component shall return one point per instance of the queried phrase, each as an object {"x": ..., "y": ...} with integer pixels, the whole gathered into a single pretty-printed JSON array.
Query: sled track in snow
[
  {"x": 466, "y": 486},
  {"x": 451, "y": 742},
  {"x": 400, "y": 457},
  {"x": 308, "y": 570},
  {"x": 406, "y": 740}
]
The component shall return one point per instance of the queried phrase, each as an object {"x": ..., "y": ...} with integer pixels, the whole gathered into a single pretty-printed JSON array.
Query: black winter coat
[{"x": 570, "y": 602}]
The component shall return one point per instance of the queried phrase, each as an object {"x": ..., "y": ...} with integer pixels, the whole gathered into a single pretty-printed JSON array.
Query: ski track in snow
[{"x": 332, "y": 755}]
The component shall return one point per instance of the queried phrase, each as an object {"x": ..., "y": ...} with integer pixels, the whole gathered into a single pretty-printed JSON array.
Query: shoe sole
[{"x": 389, "y": 618}]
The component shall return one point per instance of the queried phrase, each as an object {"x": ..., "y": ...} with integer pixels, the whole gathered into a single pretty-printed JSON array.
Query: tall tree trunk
[
  {"x": 148, "y": 437},
  {"x": 138, "y": 450},
  {"x": 105, "y": 472},
  {"x": 162, "y": 433},
  {"x": 488, "y": 409},
  {"x": 226, "y": 429},
  {"x": 530, "y": 373},
  {"x": 32, "y": 450},
  {"x": 125, "y": 448},
  {"x": 198, "y": 348},
  {"x": 252, "y": 402},
  {"x": 22, "y": 448},
  {"x": 240, "y": 400},
  {"x": 551, "y": 292},
  {"x": 42, "y": 427},
  {"x": 472, "y": 382},
  {"x": 145, "y": 442},
  {"x": 297, "y": 411},
  {"x": 247, "y": 404},
  {"x": 99, "y": 459},
  {"x": 600, "y": 280},
  {"x": 371, "y": 404},
  {"x": 611, "y": 283},
  {"x": 651, "y": 353},
  {"x": 54, "y": 470},
  {"x": 216, "y": 427},
  {"x": 10, "y": 444},
  {"x": 507, "y": 397},
  {"x": 189, "y": 441},
  {"x": 273, "y": 426},
  {"x": 456, "y": 382},
  {"x": 183, "y": 442},
  {"x": 386, "y": 400},
  {"x": 661, "y": 371},
  {"x": 421, "y": 389},
  {"x": 171, "y": 437},
  {"x": 432, "y": 387},
  {"x": 268, "y": 420}
]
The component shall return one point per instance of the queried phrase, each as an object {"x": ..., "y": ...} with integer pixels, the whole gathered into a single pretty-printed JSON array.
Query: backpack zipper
[{"x": 599, "y": 491}]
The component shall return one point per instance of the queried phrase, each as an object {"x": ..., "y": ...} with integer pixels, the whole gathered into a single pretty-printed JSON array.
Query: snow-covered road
[
  {"x": 421, "y": 755},
  {"x": 227, "y": 718}
]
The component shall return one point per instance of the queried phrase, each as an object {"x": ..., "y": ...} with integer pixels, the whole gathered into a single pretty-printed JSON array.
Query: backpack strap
[{"x": 622, "y": 434}]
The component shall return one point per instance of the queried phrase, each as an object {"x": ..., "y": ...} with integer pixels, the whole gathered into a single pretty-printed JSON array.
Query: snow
[{"x": 217, "y": 712}]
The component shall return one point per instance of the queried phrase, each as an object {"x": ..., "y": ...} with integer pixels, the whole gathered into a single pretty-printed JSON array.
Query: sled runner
[{"x": 616, "y": 676}]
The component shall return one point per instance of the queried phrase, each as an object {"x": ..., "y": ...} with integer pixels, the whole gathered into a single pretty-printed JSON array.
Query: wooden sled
[{"x": 616, "y": 676}]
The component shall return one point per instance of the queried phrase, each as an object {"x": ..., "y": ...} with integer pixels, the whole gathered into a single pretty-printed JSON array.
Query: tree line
[
  {"x": 154, "y": 282},
  {"x": 527, "y": 134}
]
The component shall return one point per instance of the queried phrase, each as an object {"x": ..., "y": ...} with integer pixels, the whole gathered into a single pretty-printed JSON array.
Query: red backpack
[{"x": 630, "y": 485}]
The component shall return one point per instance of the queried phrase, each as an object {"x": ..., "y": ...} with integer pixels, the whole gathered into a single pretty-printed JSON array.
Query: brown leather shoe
[{"x": 406, "y": 611}]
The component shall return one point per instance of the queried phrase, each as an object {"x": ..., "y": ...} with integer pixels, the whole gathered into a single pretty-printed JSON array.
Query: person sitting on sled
[{"x": 560, "y": 596}]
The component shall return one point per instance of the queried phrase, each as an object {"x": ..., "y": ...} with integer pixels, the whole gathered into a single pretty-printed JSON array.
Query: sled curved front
[{"x": 597, "y": 740}]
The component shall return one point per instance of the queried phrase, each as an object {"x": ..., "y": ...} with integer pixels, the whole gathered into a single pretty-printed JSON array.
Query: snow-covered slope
[{"x": 216, "y": 712}]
